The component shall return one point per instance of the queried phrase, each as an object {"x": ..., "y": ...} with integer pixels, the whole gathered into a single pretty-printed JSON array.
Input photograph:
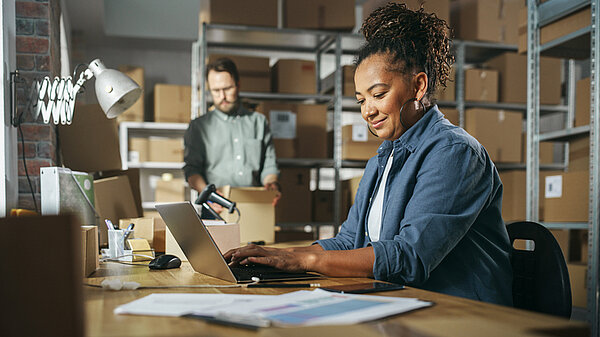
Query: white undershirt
[{"x": 376, "y": 212}]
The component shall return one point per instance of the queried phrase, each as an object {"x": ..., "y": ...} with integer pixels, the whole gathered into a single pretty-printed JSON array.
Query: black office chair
[{"x": 540, "y": 277}]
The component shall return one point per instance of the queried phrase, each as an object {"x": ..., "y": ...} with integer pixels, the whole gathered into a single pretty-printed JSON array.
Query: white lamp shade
[{"x": 115, "y": 91}]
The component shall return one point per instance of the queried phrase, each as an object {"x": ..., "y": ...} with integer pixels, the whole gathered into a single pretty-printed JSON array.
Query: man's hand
[{"x": 274, "y": 186}]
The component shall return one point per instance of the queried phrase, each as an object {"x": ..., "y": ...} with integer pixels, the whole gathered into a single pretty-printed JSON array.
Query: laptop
[{"x": 204, "y": 255}]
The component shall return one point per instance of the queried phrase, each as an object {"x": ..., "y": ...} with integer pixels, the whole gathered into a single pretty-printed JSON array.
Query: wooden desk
[{"x": 450, "y": 316}]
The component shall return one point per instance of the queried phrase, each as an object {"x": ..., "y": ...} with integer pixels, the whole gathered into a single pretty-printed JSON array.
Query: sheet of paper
[
  {"x": 300, "y": 308},
  {"x": 181, "y": 303},
  {"x": 320, "y": 307}
]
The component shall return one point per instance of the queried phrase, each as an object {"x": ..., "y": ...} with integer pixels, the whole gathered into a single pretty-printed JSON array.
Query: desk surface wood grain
[{"x": 450, "y": 316}]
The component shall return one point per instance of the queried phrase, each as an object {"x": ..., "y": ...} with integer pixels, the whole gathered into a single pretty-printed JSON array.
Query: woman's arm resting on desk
[{"x": 344, "y": 263}]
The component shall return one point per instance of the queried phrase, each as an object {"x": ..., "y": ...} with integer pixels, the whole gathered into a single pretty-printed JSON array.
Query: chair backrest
[{"x": 540, "y": 276}]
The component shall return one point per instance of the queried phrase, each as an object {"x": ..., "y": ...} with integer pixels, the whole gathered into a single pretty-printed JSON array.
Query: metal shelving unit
[
  {"x": 539, "y": 15},
  {"x": 276, "y": 42}
]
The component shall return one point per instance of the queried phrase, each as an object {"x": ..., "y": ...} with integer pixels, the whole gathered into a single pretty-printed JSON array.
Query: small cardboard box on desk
[{"x": 89, "y": 249}]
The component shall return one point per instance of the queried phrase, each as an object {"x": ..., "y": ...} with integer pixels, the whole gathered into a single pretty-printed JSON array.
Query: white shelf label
[
  {"x": 359, "y": 132},
  {"x": 553, "y": 187},
  {"x": 283, "y": 124}
]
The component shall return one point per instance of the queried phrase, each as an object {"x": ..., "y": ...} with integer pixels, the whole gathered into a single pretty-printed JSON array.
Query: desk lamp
[{"x": 56, "y": 97}]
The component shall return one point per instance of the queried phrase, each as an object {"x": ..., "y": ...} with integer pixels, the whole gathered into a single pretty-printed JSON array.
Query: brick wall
[{"x": 38, "y": 46}]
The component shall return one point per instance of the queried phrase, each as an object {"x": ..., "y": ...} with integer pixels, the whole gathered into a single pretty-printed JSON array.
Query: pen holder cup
[{"x": 116, "y": 242}]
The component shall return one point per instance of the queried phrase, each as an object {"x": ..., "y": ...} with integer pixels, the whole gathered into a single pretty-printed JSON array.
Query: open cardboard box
[{"x": 257, "y": 221}]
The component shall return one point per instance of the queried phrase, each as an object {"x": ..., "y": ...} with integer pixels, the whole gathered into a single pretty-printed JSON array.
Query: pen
[
  {"x": 284, "y": 285},
  {"x": 128, "y": 231},
  {"x": 109, "y": 224}
]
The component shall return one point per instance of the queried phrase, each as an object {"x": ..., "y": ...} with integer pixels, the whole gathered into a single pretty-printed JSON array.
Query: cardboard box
[
  {"x": 319, "y": 14},
  {"x": 566, "y": 197},
  {"x": 91, "y": 142},
  {"x": 257, "y": 222},
  {"x": 348, "y": 90},
  {"x": 582, "y": 102},
  {"x": 487, "y": 20},
  {"x": 140, "y": 249},
  {"x": 158, "y": 242},
  {"x": 579, "y": 154},
  {"x": 295, "y": 202},
  {"x": 481, "y": 85},
  {"x": 349, "y": 189},
  {"x": 357, "y": 142},
  {"x": 90, "y": 250},
  {"x": 546, "y": 151},
  {"x": 448, "y": 94},
  {"x": 139, "y": 150},
  {"x": 578, "y": 278},
  {"x": 512, "y": 84},
  {"x": 172, "y": 103},
  {"x": 441, "y": 8},
  {"x": 311, "y": 129},
  {"x": 239, "y": 12},
  {"x": 170, "y": 190},
  {"x": 42, "y": 264},
  {"x": 291, "y": 234},
  {"x": 225, "y": 236},
  {"x": 255, "y": 73},
  {"x": 562, "y": 238},
  {"x": 144, "y": 228},
  {"x": 578, "y": 244},
  {"x": 514, "y": 195},
  {"x": 285, "y": 148},
  {"x": 294, "y": 77},
  {"x": 163, "y": 149},
  {"x": 499, "y": 131},
  {"x": 114, "y": 201},
  {"x": 452, "y": 115},
  {"x": 134, "y": 183},
  {"x": 322, "y": 206},
  {"x": 136, "y": 112},
  {"x": 559, "y": 28}
]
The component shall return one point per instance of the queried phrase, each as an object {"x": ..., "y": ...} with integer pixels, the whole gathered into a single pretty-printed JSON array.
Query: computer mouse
[{"x": 165, "y": 261}]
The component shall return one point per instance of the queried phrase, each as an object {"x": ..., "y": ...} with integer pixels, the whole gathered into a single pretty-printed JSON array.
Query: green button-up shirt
[{"x": 234, "y": 149}]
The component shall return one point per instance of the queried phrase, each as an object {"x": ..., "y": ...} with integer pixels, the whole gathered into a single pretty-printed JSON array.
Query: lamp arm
[{"x": 61, "y": 95}]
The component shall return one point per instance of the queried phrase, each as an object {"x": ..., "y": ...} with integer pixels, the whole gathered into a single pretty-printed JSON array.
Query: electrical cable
[
  {"x": 117, "y": 285},
  {"x": 239, "y": 215},
  {"x": 25, "y": 164}
]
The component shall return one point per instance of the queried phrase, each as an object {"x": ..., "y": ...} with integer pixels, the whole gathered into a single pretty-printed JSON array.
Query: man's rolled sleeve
[
  {"x": 270, "y": 159},
  {"x": 194, "y": 154}
]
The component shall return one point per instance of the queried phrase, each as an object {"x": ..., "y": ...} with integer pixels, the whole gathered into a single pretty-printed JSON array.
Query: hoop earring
[
  {"x": 422, "y": 112},
  {"x": 371, "y": 131}
]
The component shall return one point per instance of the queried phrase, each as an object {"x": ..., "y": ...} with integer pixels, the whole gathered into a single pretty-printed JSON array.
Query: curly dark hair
[{"x": 414, "y": 40}]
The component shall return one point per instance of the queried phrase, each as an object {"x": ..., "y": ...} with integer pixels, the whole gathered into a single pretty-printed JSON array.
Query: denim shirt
[{"x": 441, "y": 228}]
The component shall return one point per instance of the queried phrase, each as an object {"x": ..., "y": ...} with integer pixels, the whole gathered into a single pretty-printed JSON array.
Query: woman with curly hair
[{"x": 428, "y": 208}]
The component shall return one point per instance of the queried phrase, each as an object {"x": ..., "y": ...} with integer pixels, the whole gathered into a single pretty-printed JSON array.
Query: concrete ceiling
[{"x": 142, "y": 24}]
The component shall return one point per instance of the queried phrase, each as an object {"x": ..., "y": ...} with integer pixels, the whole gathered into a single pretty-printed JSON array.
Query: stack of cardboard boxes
[{"x": 306, "y": 14}]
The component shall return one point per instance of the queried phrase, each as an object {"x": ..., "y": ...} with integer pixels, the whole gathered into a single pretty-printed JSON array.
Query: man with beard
[{"x": 229, "y": 145}]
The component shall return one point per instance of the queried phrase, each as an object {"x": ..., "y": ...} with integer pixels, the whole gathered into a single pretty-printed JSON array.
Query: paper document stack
[{"x": 300, "y": 308}]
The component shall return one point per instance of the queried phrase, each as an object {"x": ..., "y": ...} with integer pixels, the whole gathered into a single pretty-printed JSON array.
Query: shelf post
[
  {"x": 337, "y": 132},
  {"x": 202, "y": 70},
  {"x": 533, "y": 111},
  {"x": 594, "y": 198}
]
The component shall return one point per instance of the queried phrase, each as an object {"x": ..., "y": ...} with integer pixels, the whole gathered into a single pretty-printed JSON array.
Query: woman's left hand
[{"x": 284, "y": 259}]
